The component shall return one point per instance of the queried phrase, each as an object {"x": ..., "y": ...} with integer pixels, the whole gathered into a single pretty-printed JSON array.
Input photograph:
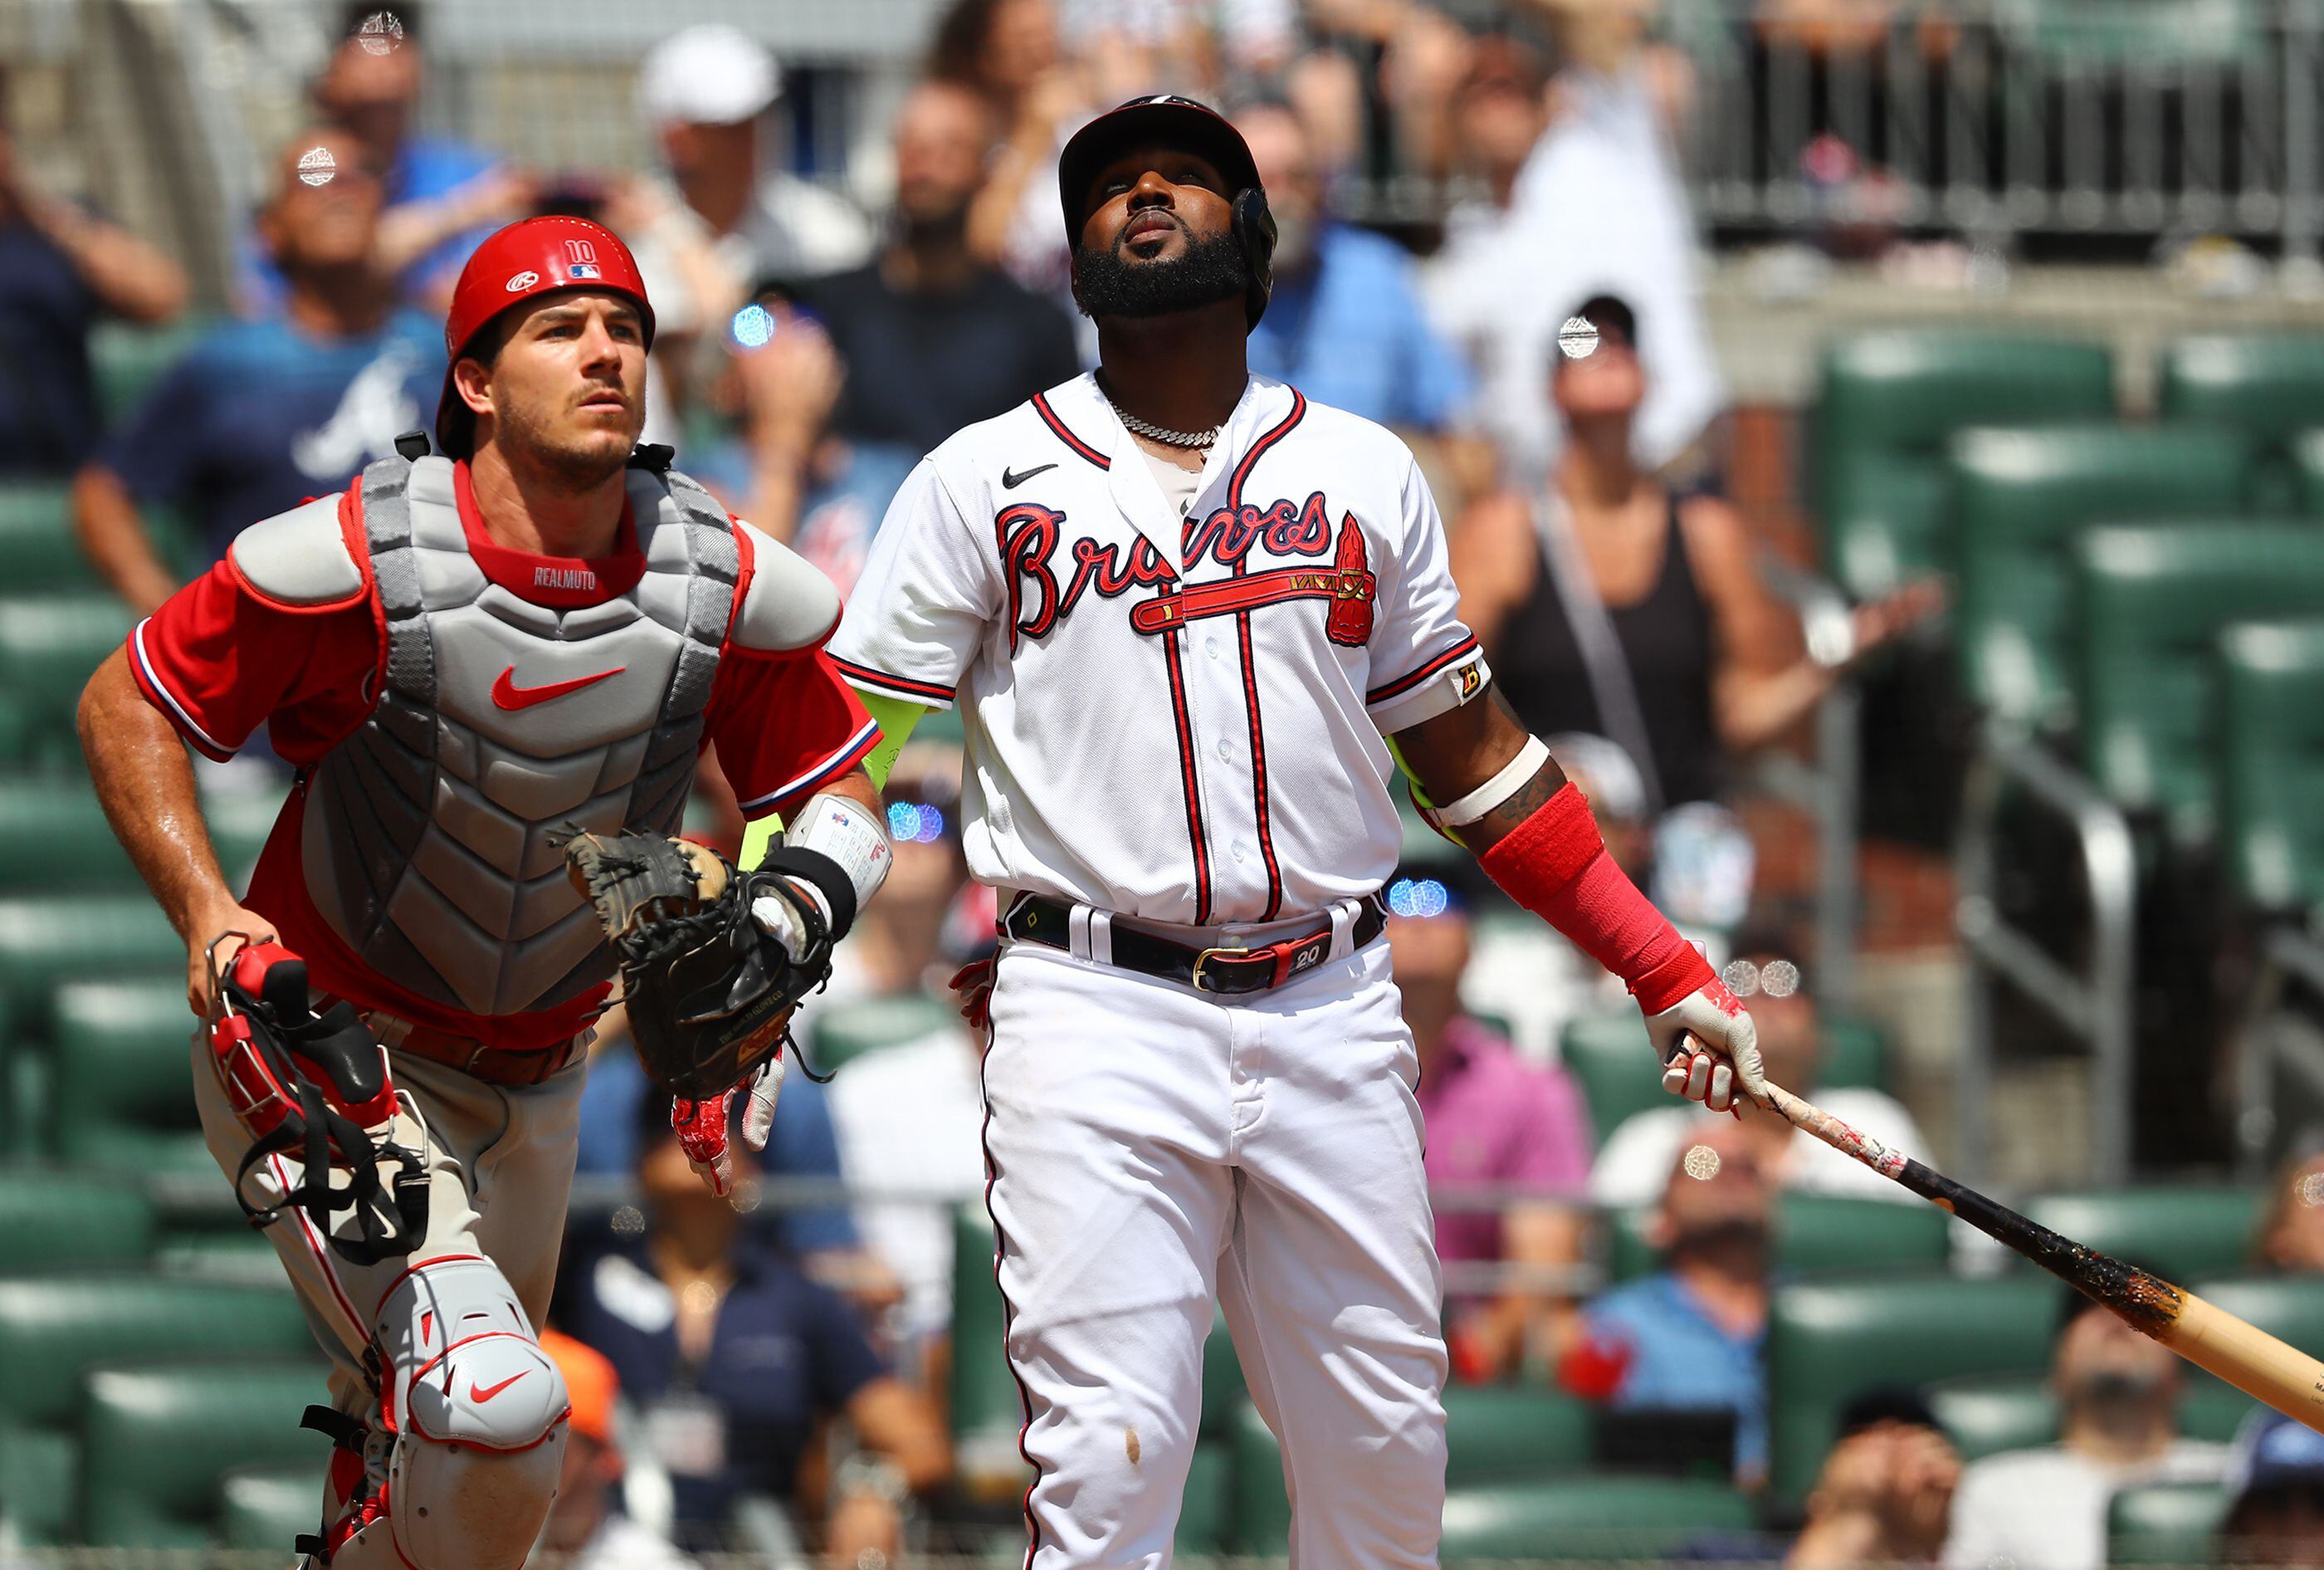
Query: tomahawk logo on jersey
[{"x": 1247, "y": 659}]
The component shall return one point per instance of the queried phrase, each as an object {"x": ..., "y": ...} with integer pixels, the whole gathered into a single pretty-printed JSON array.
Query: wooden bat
[{"x": 2204, "y": 1335}]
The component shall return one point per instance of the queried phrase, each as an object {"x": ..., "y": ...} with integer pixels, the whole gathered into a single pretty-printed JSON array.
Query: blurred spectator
[
  {"x": 587, "y": 1525},
  {"x": 735, "y": 215},
  {"x": 2292, "y": 1238},
  {"x": 1344, "y": 324},
  {"x": 910, "y": 1113},
  {"x": 2277, "y": 1484},
  {"x": 1611, "y": 605},
  {"x": 261, "y": 415},
  {"x": 736, "y": 1363},
  {"x": 1886, "y": 1493},
  {"x": 931, "y": 338},
  {"x": 1690, "y": 1336},
  {"x": 61, "y": 268},
  {"x": 442, "y": 195},
  {"x": 1636, "y": 1156},
  {"x": 1007, "y": 51},
  {"x": 2119, "y": 1394},
  {"x": 1497, "y": 1126}
]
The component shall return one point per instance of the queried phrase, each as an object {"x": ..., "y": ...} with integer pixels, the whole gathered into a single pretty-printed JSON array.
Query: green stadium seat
[
  {"x": 68, "y": 843},
  {"x": 2307, "y": 458},
  {"x": 57, "y": 1221},
  {"x": 128, "y": 360},
  {"x": 122, "y": 1084},
  {"x": 2182, "y": 1231},
  {"x": 2022, "y": 498},
  {"x": 2272, "y": 837},
  {"x": 2165, "y": 1523},
  {"x": 2153, "y": 602},
  {"x": 38, "y": 546},
  {"x": 846, "y": 1031},
  {"x": 1206, "y": 1513},
  {"x": 239, "y": 1253},
  {"x": 2288, "y": 1307},
  {"x": 1829, "y": 1341},
  {"x": 265, "y": 1506},
  {"x": 1889, "y": 403},
  {"x": 1223, "y": 1393},
  {"x": 1990, "y": 1413},
  {"x": 2082, "y": 37},
  {"x": 159, "y": 1439},
  {"x": 1512, "y": 1432},
  {"x": 1609, "y": 1054},
  {"x": 46, "y": 942},
  {"x": 48, "y": 646},
  {"x": 53, "y": 1329},
  {"x": 1855, "y": 1057},
  {"x": 2268, "y": 386},
  {"x": 1816, "y": 1234},
  {"x": 1602, "y": 1517}
]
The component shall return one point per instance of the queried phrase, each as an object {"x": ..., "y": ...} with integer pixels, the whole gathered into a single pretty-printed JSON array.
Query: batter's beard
[
  {"x": 1208, "y": 271},
  {"x": 580, "y": 468}
]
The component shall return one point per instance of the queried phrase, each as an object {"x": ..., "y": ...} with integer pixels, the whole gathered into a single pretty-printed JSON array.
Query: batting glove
[
  {"x": 702, "y": 1126},
  {"x": 1708, "y": 1048}
]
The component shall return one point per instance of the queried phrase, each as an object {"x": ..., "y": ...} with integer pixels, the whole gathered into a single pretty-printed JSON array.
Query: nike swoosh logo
[
  {"x": 1011, "y": 479},
  {"x": 483, "y": 1393},
  {"x": 508, "y": 694}
]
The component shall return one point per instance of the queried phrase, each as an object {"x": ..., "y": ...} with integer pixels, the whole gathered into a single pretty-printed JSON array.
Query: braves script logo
[{"x": 1031, "y": 536}]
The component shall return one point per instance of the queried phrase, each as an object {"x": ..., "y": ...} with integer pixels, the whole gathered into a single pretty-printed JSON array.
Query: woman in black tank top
[{"x": 1609, "y": 605}]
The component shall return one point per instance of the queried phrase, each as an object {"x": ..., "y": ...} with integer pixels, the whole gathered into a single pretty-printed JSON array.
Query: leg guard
[{"x": 474, "y": 1414}]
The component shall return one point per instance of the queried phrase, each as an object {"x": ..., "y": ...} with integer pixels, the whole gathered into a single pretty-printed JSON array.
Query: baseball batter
[
  {"x": 1194, "y": 620},
  {"x": 470, "y": 656}
]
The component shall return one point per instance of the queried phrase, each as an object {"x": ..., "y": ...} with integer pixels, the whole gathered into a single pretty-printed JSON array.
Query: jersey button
[
  {"x": 1226, "y": 748},
  {"x": 1210, "y": 647},
  {"x": 1237, "y": 852}
]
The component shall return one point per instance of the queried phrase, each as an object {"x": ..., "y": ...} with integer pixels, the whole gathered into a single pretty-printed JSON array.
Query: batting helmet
[
  {"x": 1167, "y": 120},
  {"x": 528, "y": 259}
]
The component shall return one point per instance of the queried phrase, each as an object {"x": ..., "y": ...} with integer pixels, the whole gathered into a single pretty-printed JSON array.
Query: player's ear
[{"x": 473, "y": 380}]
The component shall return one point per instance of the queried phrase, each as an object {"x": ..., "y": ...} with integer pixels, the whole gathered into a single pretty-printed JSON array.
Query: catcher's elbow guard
[{"x": 839, "y": 847}]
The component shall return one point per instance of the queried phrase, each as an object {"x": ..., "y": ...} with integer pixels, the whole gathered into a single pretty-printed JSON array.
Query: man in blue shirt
[
  {"x": 734, "y": 1361},
  {"x": 261, "y": 415},
  {"x": 1690, "y": 1336},
  {"x": 1344, "y": 324}
]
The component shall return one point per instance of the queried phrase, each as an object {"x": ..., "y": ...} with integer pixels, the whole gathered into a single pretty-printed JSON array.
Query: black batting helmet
[{"x": 1167, "y": 120}]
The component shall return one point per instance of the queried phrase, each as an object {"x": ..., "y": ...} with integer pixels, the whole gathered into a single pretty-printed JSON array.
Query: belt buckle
[{"x": 1236, "y": 953}]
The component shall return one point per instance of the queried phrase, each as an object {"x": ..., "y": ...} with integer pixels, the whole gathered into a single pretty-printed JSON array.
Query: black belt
[{"x": 1034, "y": 920}]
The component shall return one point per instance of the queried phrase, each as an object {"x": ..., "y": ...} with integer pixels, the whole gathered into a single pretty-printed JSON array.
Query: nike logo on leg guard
[
  {"x": 508, "y": 694},
  {"x": 480, "y": 1394}
]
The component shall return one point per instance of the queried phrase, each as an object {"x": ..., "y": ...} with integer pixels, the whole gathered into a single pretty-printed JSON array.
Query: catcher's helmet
[
  {"x": 1167, "y": 120},
  {"x": 526, "y": 260}
]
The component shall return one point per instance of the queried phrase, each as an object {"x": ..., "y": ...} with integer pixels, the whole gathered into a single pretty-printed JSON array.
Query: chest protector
[{"x": 431, "y": 834}]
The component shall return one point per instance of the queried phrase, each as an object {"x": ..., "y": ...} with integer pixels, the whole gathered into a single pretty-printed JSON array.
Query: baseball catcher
[{"x": 478, "y": 659}]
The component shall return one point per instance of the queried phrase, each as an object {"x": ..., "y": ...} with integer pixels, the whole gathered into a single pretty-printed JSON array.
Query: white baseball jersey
[{"x": 1174, "y": 718}]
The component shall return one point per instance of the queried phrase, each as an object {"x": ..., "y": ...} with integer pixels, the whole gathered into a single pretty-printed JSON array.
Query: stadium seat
[
  {"x": 45, "y": 942},
  {"x": 52, "y": 1329},
  {"x": 38, "y": 547},
  {"x": 1989, "y": 1413},
  {"x": 2272, "y": 699},
  {"x": 121, "y": 1088},
  {"x": 847, "y": 1030},
  {"x": 2022, "y": 498},
  {"x": 1829, "y": 1340},
  {"x": 1592, "y": 1516},
  {"x": 1511, "y": 1433},
  {"x": 48, "y": 646},
  {"x": 1609, "y": 1054},
  {"x": 1224, "y": 1393},
  {"x": 56, "y": 1221},
  {"x": 159, "y": 1439},
  {"x": 2165, "y": 1523},
  {"x": 2307, "y": 457},
  {"x": 2182, "y": 1231},
  {"x": 1889, "y": 403},
  {"x": 2146, "y": 36},
  {"x": 2268, "y": 386},
  {"x": 2154, "y": 604},
  {"x": 66, "y": 843},
  {"x": 265, "y": 1506},
  {"x": 128, "y": 360},
  {"x": 1817, "y": 1234},
  {"x": 2288, "y": 1307},
  {"x": 1206, "y": 1513}
]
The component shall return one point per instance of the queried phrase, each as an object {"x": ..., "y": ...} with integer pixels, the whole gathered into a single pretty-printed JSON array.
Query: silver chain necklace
[{"x": 1163, "y": 433}]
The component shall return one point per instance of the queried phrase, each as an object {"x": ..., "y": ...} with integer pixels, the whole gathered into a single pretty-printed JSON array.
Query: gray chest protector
[{"x": 430, "y": 834}]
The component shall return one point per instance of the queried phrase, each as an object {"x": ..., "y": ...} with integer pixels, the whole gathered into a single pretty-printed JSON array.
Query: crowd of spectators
[{"x": 1549, "y": 360}]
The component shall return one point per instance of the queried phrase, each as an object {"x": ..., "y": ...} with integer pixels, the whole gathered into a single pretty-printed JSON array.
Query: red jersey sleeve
[
  {"x": 785, "y": 724},
  {"x": 219, "y": 660}
]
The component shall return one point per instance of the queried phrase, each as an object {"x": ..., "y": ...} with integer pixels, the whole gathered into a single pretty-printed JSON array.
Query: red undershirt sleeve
[{"x": 786, "y": 726}]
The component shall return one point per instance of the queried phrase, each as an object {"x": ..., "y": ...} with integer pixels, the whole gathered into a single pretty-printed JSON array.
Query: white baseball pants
[{"x": 1151, "y": 1148}]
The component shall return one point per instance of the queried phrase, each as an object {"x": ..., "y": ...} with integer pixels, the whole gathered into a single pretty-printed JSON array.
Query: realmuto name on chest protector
[{"x": 431, "y": 835}]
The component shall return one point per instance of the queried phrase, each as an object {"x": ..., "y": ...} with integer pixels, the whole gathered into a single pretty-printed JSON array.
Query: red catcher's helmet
[{"x": 528, "y": 259}]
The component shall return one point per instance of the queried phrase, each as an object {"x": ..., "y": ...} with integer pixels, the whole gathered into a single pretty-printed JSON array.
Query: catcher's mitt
[{"x": 709, "y": 991}]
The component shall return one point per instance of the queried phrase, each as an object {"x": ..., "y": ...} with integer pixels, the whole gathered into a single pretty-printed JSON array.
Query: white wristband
[
  {"x": 851, "y": 834},
  {"x": 1493, "y": 791}
]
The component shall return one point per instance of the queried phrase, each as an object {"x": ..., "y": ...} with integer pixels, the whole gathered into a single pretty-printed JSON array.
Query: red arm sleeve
[
  {"x": 219, "y": 660},
  {"x": 786, "y": 726}
]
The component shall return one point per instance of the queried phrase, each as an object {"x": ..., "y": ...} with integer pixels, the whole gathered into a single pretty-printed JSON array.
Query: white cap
[{"x": 710, "y": 75}]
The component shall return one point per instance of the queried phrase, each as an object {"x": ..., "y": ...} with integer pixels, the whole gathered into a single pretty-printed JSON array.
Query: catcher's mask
[
  {"x": 312, "y": 1085},
  {"x": 1168, "y": 120}
]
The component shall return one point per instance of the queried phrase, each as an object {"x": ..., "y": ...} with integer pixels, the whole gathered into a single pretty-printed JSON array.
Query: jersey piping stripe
[
  {"x": 180, "y": 715},
  {"x": 901, "y": 686},
  {"x": 1251, "y": 668},
  {"x": 834, "y": 764},
  {"x": 1404, "y": 684},
  {"x": 1049, "y": 416},
  {"x": 1187, "y": 777},
  {"x": 1007, "y": 1308}
]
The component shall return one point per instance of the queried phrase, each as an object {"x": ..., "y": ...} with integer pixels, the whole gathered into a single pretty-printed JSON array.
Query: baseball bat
[{"x": 2204, "y": 1333}]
